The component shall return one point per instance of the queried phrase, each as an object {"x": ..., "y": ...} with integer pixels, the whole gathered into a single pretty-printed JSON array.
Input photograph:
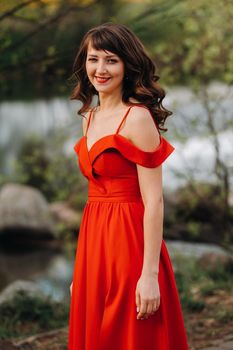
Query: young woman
[{"x": 123, "y": 294}]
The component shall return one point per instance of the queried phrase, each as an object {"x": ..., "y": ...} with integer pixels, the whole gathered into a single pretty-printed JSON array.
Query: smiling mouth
[{"x": 102, "y": 79}]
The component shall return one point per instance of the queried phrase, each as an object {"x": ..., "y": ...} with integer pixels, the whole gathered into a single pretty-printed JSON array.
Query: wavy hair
[{"x": 140, "y": 79}]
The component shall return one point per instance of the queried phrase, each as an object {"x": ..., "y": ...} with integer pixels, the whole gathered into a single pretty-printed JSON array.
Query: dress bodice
[{"x": 110, "y": 164}]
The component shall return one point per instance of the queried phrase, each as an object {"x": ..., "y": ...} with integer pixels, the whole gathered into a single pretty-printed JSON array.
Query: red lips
[{"x": 102, "y": 79}]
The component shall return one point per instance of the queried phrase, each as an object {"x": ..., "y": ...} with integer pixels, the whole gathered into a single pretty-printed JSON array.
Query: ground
[{"x": 209, "y": 329}]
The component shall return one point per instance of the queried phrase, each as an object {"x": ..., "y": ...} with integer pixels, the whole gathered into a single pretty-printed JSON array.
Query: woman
[{"x": 123, "y": 294}]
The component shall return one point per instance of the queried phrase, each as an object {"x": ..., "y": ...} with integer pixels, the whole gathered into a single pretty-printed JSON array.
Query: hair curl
[{"x": 140, "y": 80}]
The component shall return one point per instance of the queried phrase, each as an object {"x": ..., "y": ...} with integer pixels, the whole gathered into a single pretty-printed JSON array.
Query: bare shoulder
[{"x": 142, "y": 130}]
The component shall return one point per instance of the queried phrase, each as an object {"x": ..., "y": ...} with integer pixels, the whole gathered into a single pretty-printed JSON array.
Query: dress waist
[{"x": 114, "y": 198}]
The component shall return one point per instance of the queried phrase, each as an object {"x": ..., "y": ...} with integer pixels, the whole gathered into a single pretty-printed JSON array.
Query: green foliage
[
  {"x": 208, "y": 289},
  {"x": 27, "y": 315},
  {"x": 198, "y": 213},
  {"x": 224, "y": 316},
  {"x": 33, "y": 163},
  {"x": 220, "y": 273},
  {"x": 195, "y": 282},
  {"x": 194, "y": 229},
  {"x": 43, "y": 164},
  {"x": 218, "y": 278},
  {"x": 184, "y": 281},
  {"x": 190, "y": 41}
]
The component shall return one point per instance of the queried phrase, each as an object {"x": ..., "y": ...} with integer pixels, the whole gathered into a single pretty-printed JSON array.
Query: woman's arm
[
  {"x": 144, "y": 134},
  {"x": 153, "y": 218}
]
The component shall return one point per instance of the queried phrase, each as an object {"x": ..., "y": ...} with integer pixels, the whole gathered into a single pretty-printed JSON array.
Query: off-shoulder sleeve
[
  {"x": 77, "y": 145},
  {"x": 144, "y": 158}
]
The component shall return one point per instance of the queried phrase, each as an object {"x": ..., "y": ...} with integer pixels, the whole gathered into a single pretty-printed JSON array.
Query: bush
[
  {"x": 44, "y": 165},
  {"x": 198, "y": 213},
  {"x": 27, "y": 315}
]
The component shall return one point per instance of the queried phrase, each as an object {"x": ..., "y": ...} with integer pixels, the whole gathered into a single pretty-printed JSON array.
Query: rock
[
  {"x": 63, "y": 214},
  {"x": 212, "y": 261},
  {"x": 24, "y": 208},
  {"x": 194, "y": 249},
  {"x": 30, "y": 288}
]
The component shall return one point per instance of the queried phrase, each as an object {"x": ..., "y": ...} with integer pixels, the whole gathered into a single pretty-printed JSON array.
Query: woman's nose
[{"x": 101, "y": 68}]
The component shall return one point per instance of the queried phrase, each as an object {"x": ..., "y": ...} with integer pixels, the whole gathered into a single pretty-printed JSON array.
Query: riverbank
[
  {"x": 205, "y": 294},
  {"x": 204, "y": 331}
]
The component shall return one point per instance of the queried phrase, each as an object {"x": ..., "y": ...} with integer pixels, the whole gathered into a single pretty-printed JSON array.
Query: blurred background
[{"x": 42, "y": 192}]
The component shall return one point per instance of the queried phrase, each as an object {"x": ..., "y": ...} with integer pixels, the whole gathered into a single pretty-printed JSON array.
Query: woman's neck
[{"x": 110, "y": 102}]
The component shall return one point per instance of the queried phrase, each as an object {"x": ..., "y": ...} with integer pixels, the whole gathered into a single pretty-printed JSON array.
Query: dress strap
[
  {"x": 127, "y": 112},
  {"x": 139, "y": 105},
  {"x": 89, "y": 119}
]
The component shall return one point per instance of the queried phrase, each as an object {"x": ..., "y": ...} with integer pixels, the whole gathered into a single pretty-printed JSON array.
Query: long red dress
[{"x": 109, "y": 254}]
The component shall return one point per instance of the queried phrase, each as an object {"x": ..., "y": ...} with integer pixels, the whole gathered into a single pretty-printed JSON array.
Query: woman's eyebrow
[{"x": 108, "y": 56}]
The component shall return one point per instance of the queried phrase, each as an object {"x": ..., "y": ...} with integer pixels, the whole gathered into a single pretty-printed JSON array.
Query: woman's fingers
[
  {"x": 142, "y": 311},
  {"x": 156, "y": 305},
  {"x": 138, "y": 301},
  {"x": 148, "y": 308}
]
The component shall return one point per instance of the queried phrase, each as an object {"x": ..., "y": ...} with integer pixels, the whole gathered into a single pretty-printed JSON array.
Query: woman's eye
[{"x": 112, "y": 61}]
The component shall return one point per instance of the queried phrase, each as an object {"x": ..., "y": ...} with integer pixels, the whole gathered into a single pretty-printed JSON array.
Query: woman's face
[{"x": 105, "y": 70}]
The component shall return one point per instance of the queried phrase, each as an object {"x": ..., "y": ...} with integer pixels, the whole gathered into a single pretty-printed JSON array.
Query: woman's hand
[
  {"x": 71, "y": 286},
  {"x": 147, "y": 295}
]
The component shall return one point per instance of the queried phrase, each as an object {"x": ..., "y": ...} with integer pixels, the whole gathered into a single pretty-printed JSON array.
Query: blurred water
[
  {"x": 194, "y": 150},
  {"x": 53, "y": 272}
]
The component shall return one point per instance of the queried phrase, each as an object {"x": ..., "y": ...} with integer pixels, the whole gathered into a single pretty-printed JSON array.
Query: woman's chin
[
  {"x": 106, "y": 89},
  {"x": 103, "y": 89}
]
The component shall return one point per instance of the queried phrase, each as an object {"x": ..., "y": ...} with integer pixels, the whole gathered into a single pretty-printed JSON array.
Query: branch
[
  {"x": 44, "y": 26},
  {"x": 32, "y": 338},
  {"x": 17, "y": 8},
  {"x": 24, "y": 64},
  {"x": 156, "y": 9},
  {"x": 36, "y": 30},
  {"x": 24, "y": 19},
  {"x": 221, "y": 169}
]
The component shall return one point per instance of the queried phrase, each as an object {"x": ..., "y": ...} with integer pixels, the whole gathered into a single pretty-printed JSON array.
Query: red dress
[{"x": 109, "y": 254}]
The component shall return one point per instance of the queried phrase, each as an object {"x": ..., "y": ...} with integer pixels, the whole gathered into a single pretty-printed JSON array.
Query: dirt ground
[{"x": 204, "y": 328}]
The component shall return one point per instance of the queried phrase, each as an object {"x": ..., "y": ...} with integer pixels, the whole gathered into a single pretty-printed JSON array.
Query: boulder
[
  {"x": 63, "y": 214},
  {"x": 24, "y": 208},
  {"x": 28, "y": 287}
]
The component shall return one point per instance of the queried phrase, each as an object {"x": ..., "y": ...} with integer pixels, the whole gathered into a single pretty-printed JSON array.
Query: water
[
  {"x": 194, "y": 154},
  {"x": 50, "y": 270},
  {"x": 53, "y": 272}
]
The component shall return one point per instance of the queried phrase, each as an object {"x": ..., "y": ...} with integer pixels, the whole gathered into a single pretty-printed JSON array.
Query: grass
[
  {"x": 26, "y": 315},
  {"x": 195, "y": 282},
  {"x": 205, "y": 295}
]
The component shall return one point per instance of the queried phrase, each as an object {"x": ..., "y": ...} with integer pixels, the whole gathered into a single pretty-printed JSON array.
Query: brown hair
[{"x": 140, "y": 81}]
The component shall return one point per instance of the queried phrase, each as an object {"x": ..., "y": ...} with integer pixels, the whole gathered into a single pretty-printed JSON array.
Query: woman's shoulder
[
  {"x": 141, "y": 113},
  {"x": 142, "y": 129},
  {"x": 140, "y": 117}
]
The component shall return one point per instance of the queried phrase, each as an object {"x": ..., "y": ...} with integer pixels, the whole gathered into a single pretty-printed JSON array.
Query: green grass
[
  {"x": 194, "y": 282},
  {"x": 26, "y": 315},
  {"x": 224, "y": 316}
]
